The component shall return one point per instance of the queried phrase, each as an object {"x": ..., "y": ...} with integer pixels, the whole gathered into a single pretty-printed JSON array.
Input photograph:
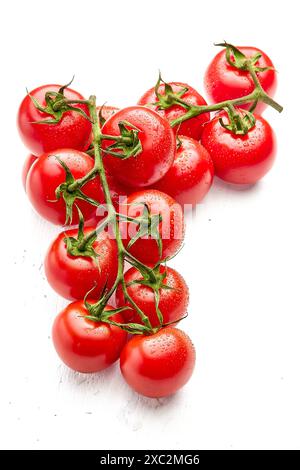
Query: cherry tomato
[
  {"x": 47, "y": 174},
  {"x": 173, "y": 302},
  {"x": 73, "y": 276},
  {"x": 107, "y": 111},
  {"x": 73, "y": 130},
  {"x": 85, "y": 345},
  {"x": 191, "y": 175},
  {"x": 170, "y": 228},
  {"x": 190, "y": 128},
  {"x": 160, "y": 364},
  {"x": 117, "y": 189},
  {"x": 224, "y": 82},
  {"x": 118, "y": 193},
  {"x": 240, "y": 159},
  {"x": 158, "y": 147},
  {"x": 30, "y": 159}
]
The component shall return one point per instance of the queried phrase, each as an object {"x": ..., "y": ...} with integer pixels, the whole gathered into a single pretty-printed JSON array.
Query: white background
[{"x": 242, "y": 266}]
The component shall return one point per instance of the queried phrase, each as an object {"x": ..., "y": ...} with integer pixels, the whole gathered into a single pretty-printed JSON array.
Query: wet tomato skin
[
  {"x": 223, "y": 82},
  {"x": 83, "y": 345},
  {"x": 158, "y": 365},
  {"x": 73, "y": 276},
  {"x": 158, "y": 147},
  {"x": 173, "y": 302},
  {"x": 107, "y": 111},
  {"x": 191, "y": 127},
  {"x": 171, "y": 228},
  {"x": 29, "y": 161},
  {"x": 47, "y": 174},
  {"x": 191, "y": 175},
  {"x": 118, "y": 193},
  {"x": 72, "y": 131},
  {"x": 240, "y": 159}
]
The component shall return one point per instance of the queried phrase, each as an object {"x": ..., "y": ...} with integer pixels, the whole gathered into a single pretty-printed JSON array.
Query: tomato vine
[{"x": 128, "y": 145}]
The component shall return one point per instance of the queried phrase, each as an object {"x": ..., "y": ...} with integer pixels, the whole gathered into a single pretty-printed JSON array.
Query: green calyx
[
  {"x": 98, "y": 313},
  {"x": 70, "y": 196},
  {"x": 240, "y": 122},
  {"x": 153, "y": 278},
  {"x": 169, "y": 98},
  {"x": 81, "y": 246},
  {"x": 100, "y": 116},
  {"x": 56, "y": 105},
  {"x": 148, "y": 226},
  {"x": 240, "y": 61},
  {"x": 127, "y": 144}
]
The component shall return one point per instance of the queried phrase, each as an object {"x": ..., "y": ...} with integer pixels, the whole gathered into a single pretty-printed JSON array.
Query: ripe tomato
[
  {"x": 160, "y": 364},
  {"x": 173, "y": 302},
  {"x": 240, "y": 159},
  {"x": 107, "y": 111},
  {"x": 85, "y": 345},
  {"x": 47, "y": 174},
  {"x": 117, "y": 191},
  {"x": 224, "y": 82},
  {"x": 30, "y": 159},
  {"x": 191, "y": 175},
  {"x": 158, "y": 147},
  {"x": 73, "y": 276},
  {"x": 73, "y": 130},
  {"x": 190, "y": 128},
  {"x": 170, "y": 229}
]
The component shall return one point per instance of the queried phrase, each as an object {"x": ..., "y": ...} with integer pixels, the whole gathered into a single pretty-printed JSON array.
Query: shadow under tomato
[
  {"x": 91, "y": 381},
  {"x": 219, "y": 183},
  {"x": 153, "y": 403},
  {"x": 158, "y": 403}
]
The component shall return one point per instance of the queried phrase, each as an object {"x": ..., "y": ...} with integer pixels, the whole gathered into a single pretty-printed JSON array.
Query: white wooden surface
[{"x": 241, "y": 257}]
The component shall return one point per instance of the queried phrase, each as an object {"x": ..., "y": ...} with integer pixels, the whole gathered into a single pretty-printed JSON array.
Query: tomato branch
[
  {"x": 258, "y": 94},
  {"x": 112, "y": 220}
]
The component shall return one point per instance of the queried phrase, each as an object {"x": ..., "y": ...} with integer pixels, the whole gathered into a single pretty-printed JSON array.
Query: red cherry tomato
[
  {"x": 73, "y": 276},
  {"x": 118, "y": 193},
  {"x": 30, "y": 159},
  {"x": 191, "y": 175},
  {"x": 158, "y": 147},
  {"x": 107, "y": 111},
  {"x": 240, "y": 159},
  {"x": 85, "y": 345},
  {"x": 160, "y": 364},
  {"x": 171, "y": 227},
  {"x": 224, "y": 82},
  {"x": 172, "y": 302},
  {"x": 47, "y": 174},
  {"x": 73, "y": 130},
  {"x": 117, "y": 190},
  {"x": 190, "y": 128}
]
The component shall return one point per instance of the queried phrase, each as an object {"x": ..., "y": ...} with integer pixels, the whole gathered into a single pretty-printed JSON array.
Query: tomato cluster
[{"x": 121, "y": 179}]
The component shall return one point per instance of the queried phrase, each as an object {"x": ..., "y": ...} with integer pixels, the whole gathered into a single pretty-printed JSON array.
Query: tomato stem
[
  {"x": 258, "y": 94},
  {"x": 111, "y": 219},
  {"x": 80, "y": 182}
]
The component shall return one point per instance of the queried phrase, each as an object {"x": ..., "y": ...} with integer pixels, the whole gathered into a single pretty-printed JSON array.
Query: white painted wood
[{"x": 241, "y": 257}]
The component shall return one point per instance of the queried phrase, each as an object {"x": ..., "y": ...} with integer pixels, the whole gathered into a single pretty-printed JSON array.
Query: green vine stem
[
  {"x": 258, "y": 94},
  {"x": 112, "y": 218}
]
